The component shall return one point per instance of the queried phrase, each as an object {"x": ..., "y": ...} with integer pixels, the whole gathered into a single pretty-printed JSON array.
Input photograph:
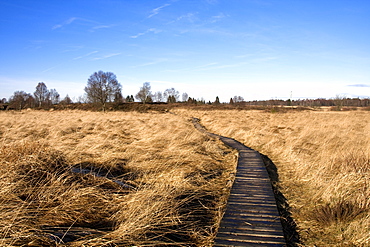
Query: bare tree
[
  {"x": 237, "y": 99},
  {"x": 339, "y": 101},
  {"x": 41, "y": 94},
  {"x": 144, "y": 94},
  {"x": 171, "y": 95},
  {"x": 102, "y": 87},
  {"x": 54, "y": 96},
  {"x": 118, "y": 97},
  {"x": 21, "y": 99},
  {"x": 81, "y": 99},
  {"x": 66, "y": 101},
  {"x": 185, "y": 97},
  {"x": 158, "y": 96}
]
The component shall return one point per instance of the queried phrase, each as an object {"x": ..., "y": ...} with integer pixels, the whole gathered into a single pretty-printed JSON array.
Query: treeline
[
  {"x": 103, "y": 88},
  {"x": 335, "y": 102},
  {"x": 41, "y": 98}
]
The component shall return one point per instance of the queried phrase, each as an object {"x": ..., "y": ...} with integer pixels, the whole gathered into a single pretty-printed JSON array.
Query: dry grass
[
  {"x": 144, "y": 179},
  {"x": 323, "y": 160}
]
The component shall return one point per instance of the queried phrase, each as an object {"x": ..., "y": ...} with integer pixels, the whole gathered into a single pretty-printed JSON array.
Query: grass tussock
[
  {"x": 117, "y": 179},
  {"x": 323, "y": 160}
]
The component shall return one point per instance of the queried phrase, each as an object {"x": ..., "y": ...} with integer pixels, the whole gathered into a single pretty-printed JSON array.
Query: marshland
[{"x": 83, "y": 178}]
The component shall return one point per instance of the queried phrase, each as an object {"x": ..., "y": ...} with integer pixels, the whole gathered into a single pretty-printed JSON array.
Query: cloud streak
[
  {"x": 67, "y": 22},
  {"x": 157, "y": 10},
  {"x": 106, "y": 56},
  {"x": 48, "y": 69},
  {"x": 161, "y": 60},
  {"x": 93, "y": 29},
  {"x": 190, "y": 17},
  {"x": 150, "y": 30},
  {"x": 74, "y": 19},
  {"x": 217, "y": 18},
  {"x": 86, "y": 55},
  {"x": 213, "y": 66}
]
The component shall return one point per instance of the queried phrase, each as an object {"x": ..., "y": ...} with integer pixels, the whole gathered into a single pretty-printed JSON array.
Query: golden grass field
[
  {"x": 162, "y": 182},
  {"x": 323, "y": 162},
  {"x": 172, "y": 180}
]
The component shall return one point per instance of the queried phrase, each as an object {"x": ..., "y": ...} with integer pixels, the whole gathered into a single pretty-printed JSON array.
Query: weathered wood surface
[{"x": 251, "y": 217}]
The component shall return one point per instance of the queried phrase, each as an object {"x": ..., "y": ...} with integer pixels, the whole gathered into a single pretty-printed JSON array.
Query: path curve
[{"x": 251, "y": 217}]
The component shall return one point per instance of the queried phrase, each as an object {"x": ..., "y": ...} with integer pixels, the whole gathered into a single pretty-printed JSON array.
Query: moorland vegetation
[
  {"x": 323, "y": 162},
  {"x": 131, "y": 178},
  {"x": 116, "y": 179}
]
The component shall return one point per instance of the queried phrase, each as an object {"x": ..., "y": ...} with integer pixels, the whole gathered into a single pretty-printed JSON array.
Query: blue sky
[{"x": 258, "y": 49}]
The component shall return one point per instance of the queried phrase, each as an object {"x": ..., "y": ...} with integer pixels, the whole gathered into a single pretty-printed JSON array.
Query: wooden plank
[{"x": 251, "y": 217}]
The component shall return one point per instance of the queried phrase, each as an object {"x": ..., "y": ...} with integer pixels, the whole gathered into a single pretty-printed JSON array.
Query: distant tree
[
  {"x": 194, "y": 101},
  {"x": 130, "y": 98},
  {"x": 66, "y": 101},
  {"x": 30, "y": 101},
  {"x": 198, "y": 101},
  {"x": 20, "y": 100},
  {"x": 3, "y": 101},
  {"x": 118, "y": 98},
  {"x": 231, "y": 101},
  {"x": 171, "y": 99},
  {"x": 149, "y": 99},
  {"x": 42, "y": 94},
  {"x": 237, "y": 99},
  {"x": 81, "y": 99},
  {"x": 101, "y": 88},
  {"x": 339, "y": 102},
  {"x": 185, "y": 97},
  {"x": 54, "y": 96},
  {"x": 144, "y": 92},
  {"x": 217, "y": 101},
  {"x": 158, "y": 96},
  {"x": 173, "y": 93}
]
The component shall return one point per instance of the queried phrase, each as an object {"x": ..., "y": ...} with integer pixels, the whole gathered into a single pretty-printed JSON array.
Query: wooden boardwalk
[{"x": 251, "y": 217}]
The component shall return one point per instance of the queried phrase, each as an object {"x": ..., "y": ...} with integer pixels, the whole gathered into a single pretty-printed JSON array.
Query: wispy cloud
[
  {"x": 190, "y": 17},
  {"x": 206, "y": 65},
  {"x": 217, "y": 18},
  {"x": 106, "y": 56},
  {"x": 67, "y": 22},
  {"x": 213, "y": 66},
  {"x": 160, "y": 60},
  {"x": 150, "y": 30},
  {"x": 101, "y": 27},
  {"x": 73, "y": 48},
  {"x": 86, "y": 55},
  {"x": 157, "y": 10},
  {"x": 359, "y": 85},
  {"x": 48, "y": 69},
  {"x": 74, "y": 19},
  {"x": 244, "y": 56},
  {"x": 264, "y": 59}
]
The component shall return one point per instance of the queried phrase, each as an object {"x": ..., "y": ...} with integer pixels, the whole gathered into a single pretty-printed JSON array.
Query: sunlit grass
[
  {"x": 154, "y": 179},
  {"x": 323, "y": 161}
]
